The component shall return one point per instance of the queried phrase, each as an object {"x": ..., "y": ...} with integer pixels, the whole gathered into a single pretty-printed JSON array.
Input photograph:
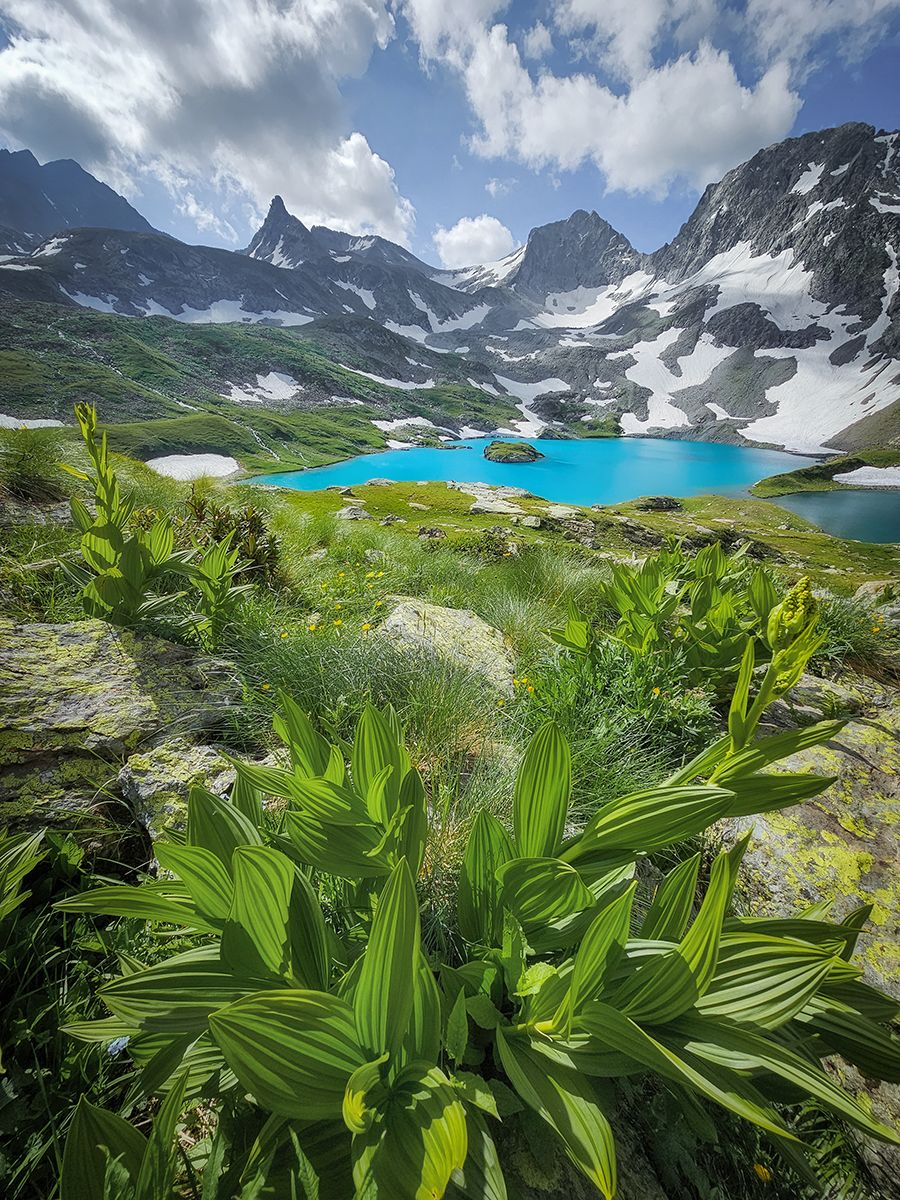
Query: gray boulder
[{"x": 455, "y": 635}]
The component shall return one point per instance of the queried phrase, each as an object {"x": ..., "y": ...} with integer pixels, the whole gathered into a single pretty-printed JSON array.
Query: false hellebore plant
[{"x": 384, "y": 1073}]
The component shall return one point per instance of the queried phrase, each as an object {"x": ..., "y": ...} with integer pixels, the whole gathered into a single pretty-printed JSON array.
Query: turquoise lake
[{"x": 605, "y": 471}]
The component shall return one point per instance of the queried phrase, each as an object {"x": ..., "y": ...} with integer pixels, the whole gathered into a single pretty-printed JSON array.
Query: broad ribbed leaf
[
  {"x": 613, "y": 1030},
  {"x": 178, "y": 995},
  {"x": 652, "y": 819},
  {"x": 84, "y": 1159},
  {"x": 414, "y": 833},
  {"x": 670, "y": 912},
  {"x": 542, "y": 794},
  {"x": 419, "y": 1139},
  {"x": 384, "y": 994},
  {"x": 600, "y": 946},
  {"x": 769, "y": 793},
  {"x": 308, "y": 936},
  {"x": 217, "y": 825},
  {"x": 122, "y": 900},
  {"x": 203, "y": 874},
  {"x": 566, "y": 1101},
  {"x": 155, "y": 1177},
  {"x": 482, "y": 1176},
  {"x": 349, "y": 851},
  {"x": 772, "y": 749},
  {"x": 331, "y": 803},
  {"x": 876, "y": 1051},
  {"x": 423, "y": 1037},
  {"x": 480, "y": 912},
  {"x": 669, "y": 984},
  {"x": 293, "y": 1050},
  {"x": 457, "y": 1035},
  {"x": 363, "y": 1092},
  {"x": 255, "y": 939},
  {"x": 764, "y": 981},
  {"x": 541, "y": 890},
  {"x": 310, "y": 752},
  {"x": 739, "y": 1049},
  {"x": 376, "y": 756}
]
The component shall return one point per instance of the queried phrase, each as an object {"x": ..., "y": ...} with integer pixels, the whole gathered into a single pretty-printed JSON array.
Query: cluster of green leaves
[
  {"x": 380, "y": 1069},
  {"x": 126, "y": 559},
  {"x": 703, "y": 607},
  {"x": 207, "y": 523}
]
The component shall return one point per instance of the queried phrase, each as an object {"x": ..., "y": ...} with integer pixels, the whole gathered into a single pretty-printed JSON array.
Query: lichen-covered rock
[
  {"x": 74, "y": 699},
  {"x": 156, "y": 781},
  {"x": 352, "y": 512},
  {"x": 453, "y": 634},
  {"x": 488, "y": 506},
  {"x": 90, "y": 686},
  {"x": 842, "y": 845},
  {"x": 814, "y": 699}
]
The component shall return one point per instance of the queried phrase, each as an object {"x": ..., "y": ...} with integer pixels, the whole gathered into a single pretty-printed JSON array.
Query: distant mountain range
[{"x": 772, "y": 317}]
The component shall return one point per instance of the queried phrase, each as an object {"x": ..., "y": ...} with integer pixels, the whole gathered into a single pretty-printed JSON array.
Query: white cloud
[
  {"x": 537, "y": 42},
  {"x": 473, "y": 240},
  {"x": 690, "y": 119},
  {"x": 678, "y": 114},
  {"x": 241, "y": 96},
  {"x": 499, "y": 187},
  {"x": 791, "y": 29}
]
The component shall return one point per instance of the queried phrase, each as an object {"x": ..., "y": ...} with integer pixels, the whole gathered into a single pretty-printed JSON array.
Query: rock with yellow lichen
[
  {"x": 841, "y": 846},
  {"x": 77, "y": 699}
]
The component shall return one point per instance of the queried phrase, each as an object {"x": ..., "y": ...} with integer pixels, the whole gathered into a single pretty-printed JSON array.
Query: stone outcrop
[
  {"x": 77, "y": 700},
  {"x": 454, "y": 635}
]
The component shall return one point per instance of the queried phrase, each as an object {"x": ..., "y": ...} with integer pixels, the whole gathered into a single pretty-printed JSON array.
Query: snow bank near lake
[
  {"x": 871, "y": 477},
  {"x": 194, "y": 466}
]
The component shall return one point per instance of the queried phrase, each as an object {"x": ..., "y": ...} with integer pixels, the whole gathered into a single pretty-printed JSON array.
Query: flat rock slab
[
  {"x": 455, "y": 635},
  {"x": 92, "y": 687},
  {"x": 842, "y": 845}
]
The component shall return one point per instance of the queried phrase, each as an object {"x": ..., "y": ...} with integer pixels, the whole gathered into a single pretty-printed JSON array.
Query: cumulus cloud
[
  {"x": 473, "y": 240},
  {"x": 658, "y": 102},
  {"x": 537, "y": 42},
  {"x": 240, "y": 95}
]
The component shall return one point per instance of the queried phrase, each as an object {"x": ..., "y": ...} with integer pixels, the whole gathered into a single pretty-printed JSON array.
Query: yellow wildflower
[
  {"x": 284, "y": 633},
  {"x": 655, "y": 691},
  {"x": 531, "y": 689},
  {"x": 876, "y": 628},
  {"x": 370, "y": 574},
  {"x": 762, "y": 1172},
  {"x": 378, "y": 603},
  {"x": 500, "y": 703},
  {"x": 339, "y": 621},
  {"x": 366, "y": 627},
  {"x": 266, "y": 686},
  {"x": 312, "y": 627}
]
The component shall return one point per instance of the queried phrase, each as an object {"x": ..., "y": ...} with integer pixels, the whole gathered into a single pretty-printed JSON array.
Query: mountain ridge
[{"x": 772, "y": 317}]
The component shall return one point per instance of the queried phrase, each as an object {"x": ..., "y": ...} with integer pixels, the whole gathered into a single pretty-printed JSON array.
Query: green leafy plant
[
  {"x": 207, "y": 523},
  {"x": 214, "y": 576},
  {"x": 702, "y": 607},
  {"x": 121, "y": 565},
  {"x": 312, "y": 991}
]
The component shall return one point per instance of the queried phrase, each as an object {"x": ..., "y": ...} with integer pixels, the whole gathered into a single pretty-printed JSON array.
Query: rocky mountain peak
[
  {"x": 581, "y": 251},
  {"x": 41, "y": 200},
  {"x": 282, "y": 239}
]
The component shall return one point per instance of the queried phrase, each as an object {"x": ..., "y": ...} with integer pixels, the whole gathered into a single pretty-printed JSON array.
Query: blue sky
[{"x": 453, "y": 126}]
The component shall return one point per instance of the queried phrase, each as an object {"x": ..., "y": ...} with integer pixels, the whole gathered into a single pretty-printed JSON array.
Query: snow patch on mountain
[
  {"x": 530, "y": 391},
  {"x": 809, "y": 179},
  {"x": 405, "y": 384},
  {"x": 274, "y": 386},
  {"x": 650, "y": 372},
  {"x": 367, "y": 297}
]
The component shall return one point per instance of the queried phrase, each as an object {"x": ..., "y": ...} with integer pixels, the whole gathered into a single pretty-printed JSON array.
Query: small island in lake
[{"x": 512, "y": 452}]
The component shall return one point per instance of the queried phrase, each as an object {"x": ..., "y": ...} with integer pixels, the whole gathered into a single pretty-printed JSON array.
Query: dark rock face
[
  {"x": 582, "y": 251},
  {"x": 43, "y": 200}
]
